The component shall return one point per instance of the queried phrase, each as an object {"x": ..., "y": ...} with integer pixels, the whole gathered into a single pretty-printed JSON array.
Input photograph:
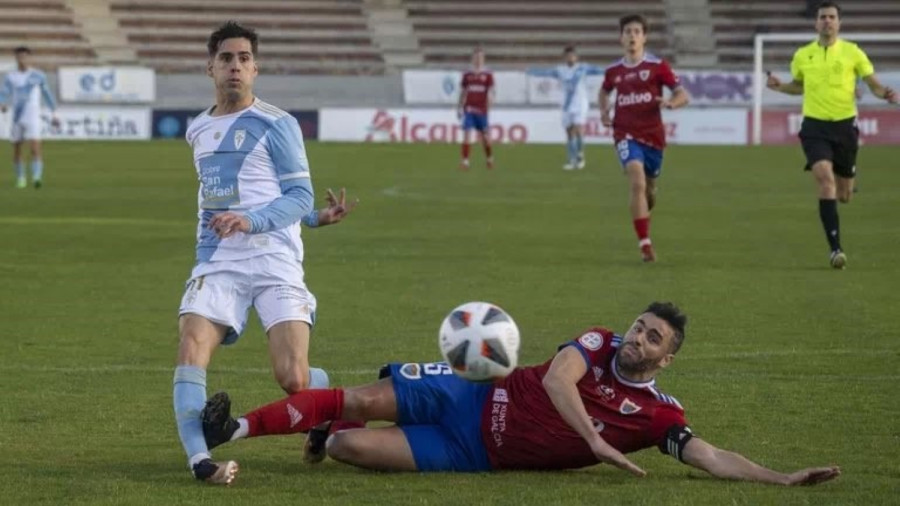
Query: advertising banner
[
  {"x": 442, "y": 87},
  {"x": 107, "y": 84},
  {"x": 686, "y": 126},
  {"x": 876, "y": 126},
  {"x": 97, "y": 123}
]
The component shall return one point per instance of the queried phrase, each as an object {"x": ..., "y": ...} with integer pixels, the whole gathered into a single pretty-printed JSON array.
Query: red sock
[
  {"x": 642, "y": 228},
  {"x": 465, "y": 151},
  {"x": 487, "y": 148},
  {"x": 298, "y": 413}
]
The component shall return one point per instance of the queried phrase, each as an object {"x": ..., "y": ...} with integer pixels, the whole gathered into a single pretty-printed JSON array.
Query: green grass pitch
[{"x": 786, "y": 361}]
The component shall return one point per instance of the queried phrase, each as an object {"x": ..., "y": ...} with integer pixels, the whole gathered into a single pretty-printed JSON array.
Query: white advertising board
[{"x": 107, "y": 84}]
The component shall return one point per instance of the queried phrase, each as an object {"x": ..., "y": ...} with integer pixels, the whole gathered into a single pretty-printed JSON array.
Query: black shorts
[{"x": 837, "y": 141}]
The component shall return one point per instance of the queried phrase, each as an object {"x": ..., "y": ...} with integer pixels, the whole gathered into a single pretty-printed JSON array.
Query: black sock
[{"x": 829, "y": 215}]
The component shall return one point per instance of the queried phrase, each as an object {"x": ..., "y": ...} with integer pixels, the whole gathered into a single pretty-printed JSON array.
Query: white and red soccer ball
[{"x": 480, "y": 342}]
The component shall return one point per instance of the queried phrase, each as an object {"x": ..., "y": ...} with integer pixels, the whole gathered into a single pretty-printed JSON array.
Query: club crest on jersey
[
  {"x": 644, "y": 74},
  {"x": 411, "y": 371},
  {"x": 628, "y": 407},
  {"x": 592, "y": 341},
  {"x": 239, "y": 136}
]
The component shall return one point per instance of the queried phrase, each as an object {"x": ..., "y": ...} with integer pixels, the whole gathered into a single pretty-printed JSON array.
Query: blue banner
[{"x": 173, "y": 123}]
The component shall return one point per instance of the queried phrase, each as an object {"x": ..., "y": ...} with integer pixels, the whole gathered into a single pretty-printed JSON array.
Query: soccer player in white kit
[
  {"x": 254, "y": 191},
  {"x": 23, "y": 90},
  {"x": 575, "y": 103}
]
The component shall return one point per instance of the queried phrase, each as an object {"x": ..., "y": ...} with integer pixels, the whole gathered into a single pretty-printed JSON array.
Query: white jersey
[
  {"x": 245, "y": 161},
  {"x": 22, "y": 91},
  {"x": 573, "y": 80}
]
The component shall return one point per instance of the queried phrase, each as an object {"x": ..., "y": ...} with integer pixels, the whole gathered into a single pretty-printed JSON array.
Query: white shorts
[
  {"x": 25, "y": 130},
  {"x": 223, "y": 292},
  {"x": 574, "y": 117}
]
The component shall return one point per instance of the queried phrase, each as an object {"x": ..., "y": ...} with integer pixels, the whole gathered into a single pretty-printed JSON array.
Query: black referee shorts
[{"x": 837, "y": 141}]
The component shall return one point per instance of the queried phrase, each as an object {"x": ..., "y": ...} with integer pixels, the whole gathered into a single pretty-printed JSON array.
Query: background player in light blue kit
[
  {"x": 254, "y": 191},
  {"x": 23, "y": 89},
  {"x": 575, "y": 104}
]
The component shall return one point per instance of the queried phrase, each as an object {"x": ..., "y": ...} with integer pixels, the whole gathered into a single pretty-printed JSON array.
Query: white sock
[
  {"x": 242, "y": 431},
  {"x": 197, "y": 458}
]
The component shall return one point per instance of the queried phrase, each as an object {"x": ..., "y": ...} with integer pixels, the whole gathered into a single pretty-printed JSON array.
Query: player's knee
[
  {"x": 339, "y": 446},
  {"x": 638, "y": 186},
  {"x": 293, "y": 380}
]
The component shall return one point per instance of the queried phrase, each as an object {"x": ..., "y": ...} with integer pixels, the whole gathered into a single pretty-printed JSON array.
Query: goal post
[{"x": 759, "y": 77}]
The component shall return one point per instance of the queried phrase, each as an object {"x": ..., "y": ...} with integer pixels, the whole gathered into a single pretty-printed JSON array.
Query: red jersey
[
  {"x": 522, "y": 429},
  {"x": 637, "y": 113},
  {"x": 476, "y": 85}
]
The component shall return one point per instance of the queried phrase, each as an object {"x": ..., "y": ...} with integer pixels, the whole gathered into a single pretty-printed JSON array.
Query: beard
[{"x": 630, "y": 364}]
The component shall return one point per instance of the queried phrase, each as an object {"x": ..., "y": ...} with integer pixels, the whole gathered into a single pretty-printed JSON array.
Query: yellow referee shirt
[{"x": 829, "y": 78}]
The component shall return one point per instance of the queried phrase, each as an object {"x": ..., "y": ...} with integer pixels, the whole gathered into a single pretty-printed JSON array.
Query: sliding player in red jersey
[
  {"x": 475, "y": 99},
  {"x": 638, "y": 80},
  {"x": 593, "y": 402}
]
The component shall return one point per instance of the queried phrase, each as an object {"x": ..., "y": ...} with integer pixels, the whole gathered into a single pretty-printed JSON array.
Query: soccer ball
[{"x": 480, "y": 342}]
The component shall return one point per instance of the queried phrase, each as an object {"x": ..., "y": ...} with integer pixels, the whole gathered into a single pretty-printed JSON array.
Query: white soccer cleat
[
  {"x": 838, "y": 259},
  {"x": 569, "y": 166},
  {"x": 580, "y": 164}
]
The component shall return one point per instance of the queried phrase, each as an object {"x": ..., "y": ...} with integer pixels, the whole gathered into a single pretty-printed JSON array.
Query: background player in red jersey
[
  {"x": 593, "y": 402},
  {"x": 638, "y": 79},
  {"x": 475, "y": 99}
]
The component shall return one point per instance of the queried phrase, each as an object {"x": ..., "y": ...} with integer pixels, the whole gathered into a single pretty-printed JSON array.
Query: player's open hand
[
  {"x": 606, "y": 453},
  {"x": 337, "y": 209},
  {"x": 772, "y": 81},
  {"x": 228, "y": 223},
  {"x": 813, "y": 476},
  {"x": 890, "y": 95}
]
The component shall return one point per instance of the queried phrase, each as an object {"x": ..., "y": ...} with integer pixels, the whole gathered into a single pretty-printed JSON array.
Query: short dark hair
[
  {"x": 674, "y": 317},
  {"x": 569, "y": 49},
  {"x": 827, "y": 5},
  {"x": 633, "y": 18},
  {"x": 22, "y": 49},
  {"x": 232, "y": 30}
]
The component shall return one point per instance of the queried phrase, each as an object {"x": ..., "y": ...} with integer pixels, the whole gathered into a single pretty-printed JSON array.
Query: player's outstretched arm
[
  {"x": 732, "y": 466},
  {"x": 879, "y": 90},
  {"x": 560, "y": 382}
]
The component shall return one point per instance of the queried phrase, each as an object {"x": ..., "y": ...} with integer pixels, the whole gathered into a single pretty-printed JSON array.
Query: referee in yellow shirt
[{"x": 825, "y": 73}]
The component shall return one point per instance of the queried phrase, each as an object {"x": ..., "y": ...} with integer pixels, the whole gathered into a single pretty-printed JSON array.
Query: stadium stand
[
  {"x": 526, "y": 32},
  {"x": 48, "y": 28},
  {"x": 298, "y": 36},
  {"x": 736, "y": 23}
]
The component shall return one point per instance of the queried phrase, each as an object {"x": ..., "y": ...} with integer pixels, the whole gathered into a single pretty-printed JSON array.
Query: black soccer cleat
[
  {"x": 38, "y": 184},
  {"x": 218, "y": 424},
  {"x": 314, "y": 446}
]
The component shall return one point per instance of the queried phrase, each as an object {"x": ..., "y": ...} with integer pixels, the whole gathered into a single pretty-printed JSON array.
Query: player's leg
[
  {"x": 815, "y": 138},
  {"x": 652, "y": 170},
  {"x": 37, "y": 163},
  {"x": 467, "y": 126},
  {"x": 485, "y": 137},
  {"x": 579, "y": 120},
  {"x": 845, "y": 150},
  {"x": 571, "y": 151},
  {"x": 382, "y": 449},
  {"x": 213, "y": 311},
  {"x": 18, "y": 164}
]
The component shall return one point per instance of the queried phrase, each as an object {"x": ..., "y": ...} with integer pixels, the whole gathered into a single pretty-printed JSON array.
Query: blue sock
[
  {"x": 189, "y": 395},
  {"x": 571, "y": 149},
  {"x": 579, "y": 145},
  {"x": 318, "y": 378},
  {"x": 20, "y": 170},
  {"x": 37, "y": 169}
]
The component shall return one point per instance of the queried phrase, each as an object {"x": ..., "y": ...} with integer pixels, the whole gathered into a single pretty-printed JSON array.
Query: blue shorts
[
  {"x": 440, "y": 415},
  {"x": 632, "y": 150},
  {"x": 477, "y": 121}
]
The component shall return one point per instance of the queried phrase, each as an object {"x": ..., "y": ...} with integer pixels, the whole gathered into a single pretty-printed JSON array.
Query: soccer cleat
[
  {"x": 647, "y": 253},
  {"x": 490, "y": 163},
  {"x": 580, "y": 164},
  {"x": 464, "y": 164},
  {"x": 314, "y": 446},
  {"x": 569, "y": 166},
  {"x": 21, "y": 182},
  {"x": 216, "y": 473},
  {"x": 218, "y": 424},
  {"x": 838, "y": 259},
  {"x": 38, "y": 184}
]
